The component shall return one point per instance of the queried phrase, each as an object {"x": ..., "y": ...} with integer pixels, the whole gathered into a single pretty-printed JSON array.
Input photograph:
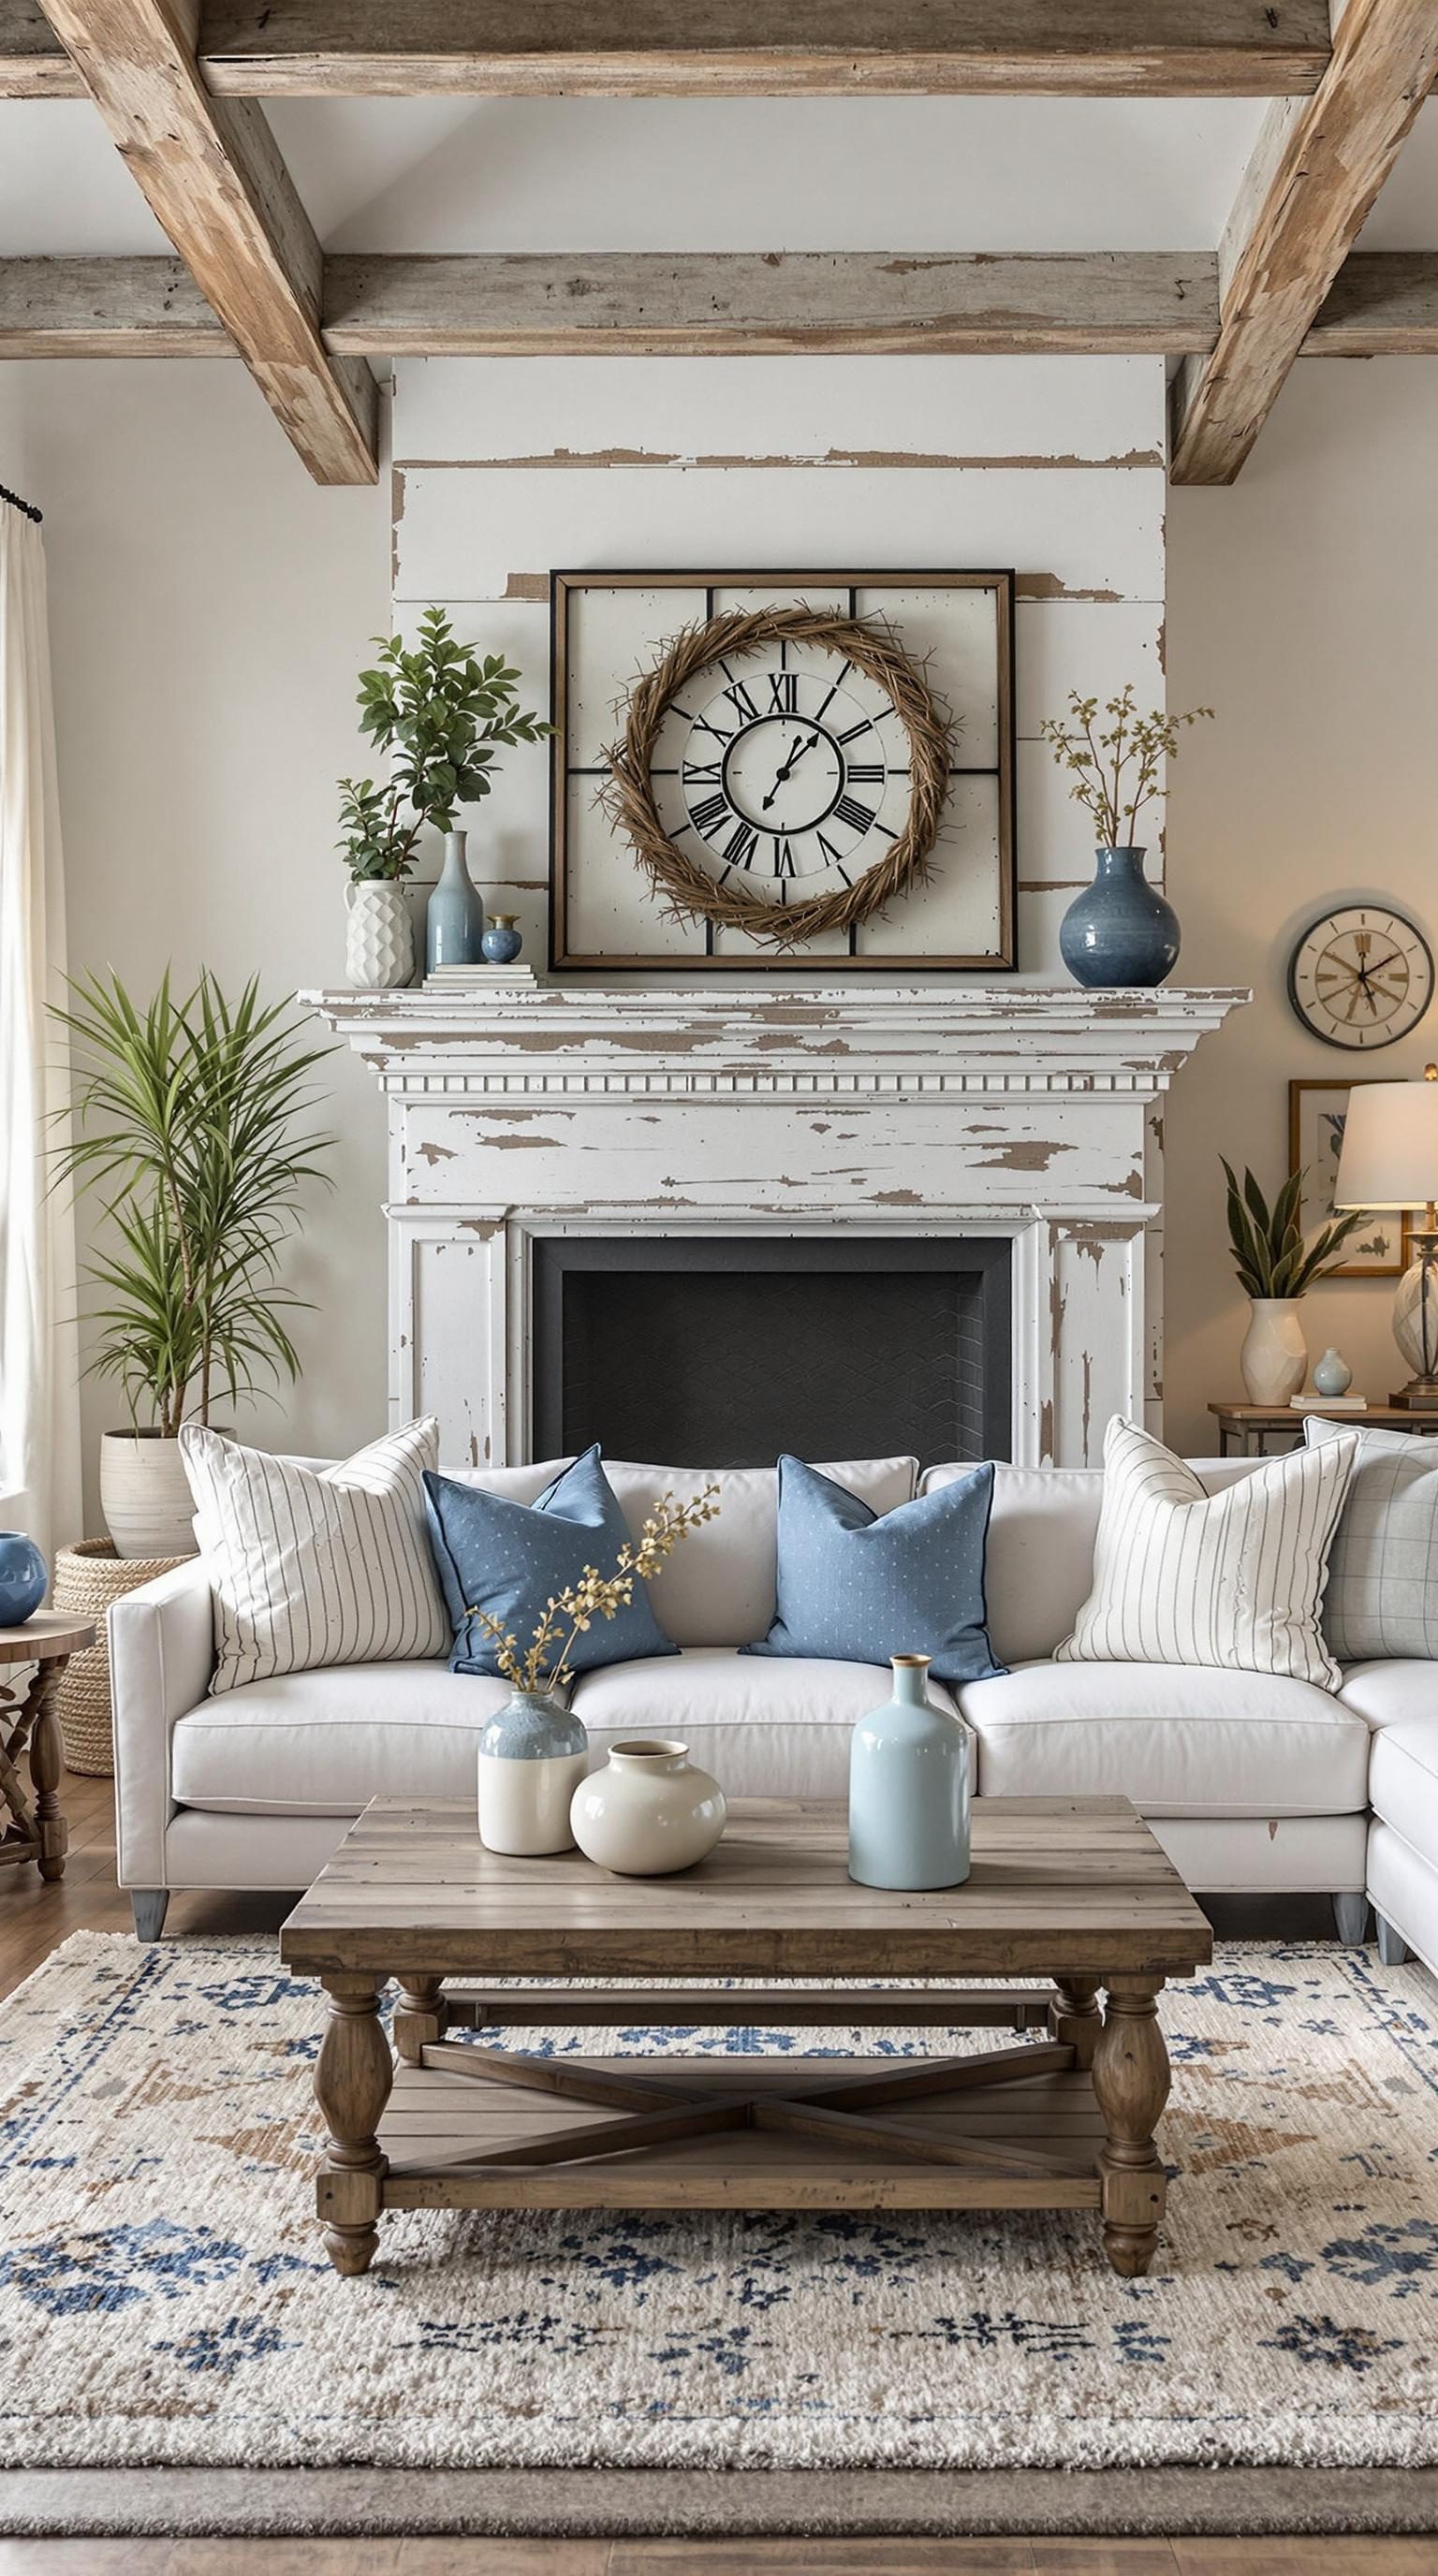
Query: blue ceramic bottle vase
[
  {"x": 454, "y": 915},
  {"x": 1120, "y": 930},
  {"x": 909, "y": 1789}
]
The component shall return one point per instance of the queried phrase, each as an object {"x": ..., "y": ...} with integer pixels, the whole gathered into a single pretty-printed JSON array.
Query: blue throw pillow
[
  {"x": 507, "y": 1558},
  {"x": 857, "y": 1586}
]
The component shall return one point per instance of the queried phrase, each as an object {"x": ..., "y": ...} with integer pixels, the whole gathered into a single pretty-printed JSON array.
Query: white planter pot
[
  {"x": 379, "y": 937},
  {"x": 145, "y": 1495},
  {"x": 649, "y": 1811},
  {"x": 1274, "y": 1357}
]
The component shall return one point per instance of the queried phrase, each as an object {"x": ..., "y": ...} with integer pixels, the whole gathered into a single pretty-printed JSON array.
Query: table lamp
[{"x": 1389, "y": 1159}]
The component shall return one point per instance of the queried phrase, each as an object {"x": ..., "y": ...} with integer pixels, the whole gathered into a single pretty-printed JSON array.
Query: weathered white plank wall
[{"x": 506, "y": 469}]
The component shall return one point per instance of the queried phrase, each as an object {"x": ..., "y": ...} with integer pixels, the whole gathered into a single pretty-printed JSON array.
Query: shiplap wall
[{"x": 506, "y": 469}]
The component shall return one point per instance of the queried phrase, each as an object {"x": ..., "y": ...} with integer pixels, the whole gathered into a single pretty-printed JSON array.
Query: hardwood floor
[{"x": 34, "y": 1919}]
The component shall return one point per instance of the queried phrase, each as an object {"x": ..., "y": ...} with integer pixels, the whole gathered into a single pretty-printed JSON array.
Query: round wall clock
[
  {"x": 783, "y": 772},
  {"x": 1361, "y": 976}
]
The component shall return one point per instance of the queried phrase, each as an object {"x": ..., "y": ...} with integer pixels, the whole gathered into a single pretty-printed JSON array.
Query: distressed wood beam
[
  {"x": 212, "y": 174},
  {"x": 106, "y": 308},
  {"x": 1316, "y": 170},
  {"x": 726, "y": 48},
  {"x": 1382, "y": 304}
]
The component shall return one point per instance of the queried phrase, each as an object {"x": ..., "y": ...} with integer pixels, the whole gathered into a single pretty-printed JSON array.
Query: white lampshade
[{"x": 1389, "y": 1157}]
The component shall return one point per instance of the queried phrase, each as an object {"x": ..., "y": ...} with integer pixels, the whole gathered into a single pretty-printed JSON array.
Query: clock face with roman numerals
[
  {"x": 784, "y": 772},
  {"x": 1361, "y": 977}
]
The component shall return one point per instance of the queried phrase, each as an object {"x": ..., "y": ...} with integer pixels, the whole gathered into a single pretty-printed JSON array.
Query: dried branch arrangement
[{"x": 1117, "y": 772}]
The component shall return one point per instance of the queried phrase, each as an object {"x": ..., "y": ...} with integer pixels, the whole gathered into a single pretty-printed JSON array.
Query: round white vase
[
  {"x": 145, "y": 1495},
  {"x": 649, "y": 1811},
  {"x": 1274, "y": 1357},
  {"x": 379, "y": 935}
]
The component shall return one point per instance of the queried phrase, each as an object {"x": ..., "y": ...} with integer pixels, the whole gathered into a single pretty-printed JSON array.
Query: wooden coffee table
[{"x": 1076, "y": 1891}]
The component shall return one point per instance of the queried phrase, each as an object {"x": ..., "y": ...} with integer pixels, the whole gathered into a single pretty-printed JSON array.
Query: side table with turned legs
[{"x": 32, "y": 1824}]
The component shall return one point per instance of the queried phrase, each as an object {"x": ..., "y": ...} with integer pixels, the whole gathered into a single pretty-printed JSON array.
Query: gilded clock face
[
  {"x": 784, "y": 771},
  {"x": 1361, "y": 977}
]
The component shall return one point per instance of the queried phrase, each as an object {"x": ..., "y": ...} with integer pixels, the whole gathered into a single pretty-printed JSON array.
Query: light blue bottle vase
[
  {"x": 454, "y": 915},
  {"x": 909, "y": 1789}
]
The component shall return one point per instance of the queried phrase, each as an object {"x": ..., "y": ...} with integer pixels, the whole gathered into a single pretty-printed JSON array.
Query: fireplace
[{"x": 723, "y": 1351}]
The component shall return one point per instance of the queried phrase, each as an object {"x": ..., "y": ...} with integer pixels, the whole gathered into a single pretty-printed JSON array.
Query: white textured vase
[
  {"x": 145, "y": 1495},
  {"x": 379, "y": 936},
  {"x": 650, "y": 1811},
  {"x": 1274, "y": 1357}
]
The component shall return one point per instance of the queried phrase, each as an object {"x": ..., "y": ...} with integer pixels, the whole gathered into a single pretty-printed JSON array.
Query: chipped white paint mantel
[{"x": 920, "y": 1109}]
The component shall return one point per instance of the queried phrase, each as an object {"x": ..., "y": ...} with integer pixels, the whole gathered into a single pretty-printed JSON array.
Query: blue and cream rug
[{"x": 164, "y": 2298}]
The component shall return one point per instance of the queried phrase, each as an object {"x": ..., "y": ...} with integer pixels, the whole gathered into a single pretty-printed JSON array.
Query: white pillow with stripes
[
  {"x": 316, "y": 1565},
  {"x": 1182, "y": 1576}
]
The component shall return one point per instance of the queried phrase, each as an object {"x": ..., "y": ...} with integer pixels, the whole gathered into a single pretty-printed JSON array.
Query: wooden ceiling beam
[
  {"x": 1315, "y": 173},
  {"x": 1382, "y": 304},
  {"x": 212, "y": 174},
  {"x": 725, "y": 48}
]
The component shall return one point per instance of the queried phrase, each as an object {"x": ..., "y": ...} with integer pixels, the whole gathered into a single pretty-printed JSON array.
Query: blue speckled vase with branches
[{"x": 1120, "y": 930}]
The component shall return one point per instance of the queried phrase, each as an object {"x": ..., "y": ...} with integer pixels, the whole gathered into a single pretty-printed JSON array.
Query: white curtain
[{"x": 39, "y": 1396}]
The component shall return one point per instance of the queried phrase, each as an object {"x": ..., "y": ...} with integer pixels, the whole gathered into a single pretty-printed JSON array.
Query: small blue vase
[
  {"x": 532, "y": 1756},
  {"x": 909, "y": 1789},
  {"x": 502, "y": 942},
  {"x": 1120, "y": 930},
  {"x": 454, "y": 915},
  {"x": 24, "y": 1578}
]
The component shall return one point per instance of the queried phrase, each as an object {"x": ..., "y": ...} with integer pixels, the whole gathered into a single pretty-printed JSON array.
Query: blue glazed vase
[
  {"x": 24, "y": 1578},
  {"x": 1120, "y": 930},
  {"x": 532, "y": 1757},
  {"x": 454, "y": 915},
  {"x": 502, "y": 942},
  {"x": 909, "y": 1789}
]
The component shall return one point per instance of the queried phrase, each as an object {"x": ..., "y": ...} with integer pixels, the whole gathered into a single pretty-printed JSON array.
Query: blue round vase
[
  {"x": 909, "y": 1789},
  {"x": 1120, "y": 930},
  {"x": 454, "y": 914},
  {"x": 24, "y": 1578},
  {"x": 502, "y": 942}
]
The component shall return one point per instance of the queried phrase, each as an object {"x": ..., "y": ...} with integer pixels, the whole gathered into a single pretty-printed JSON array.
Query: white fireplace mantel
[{"x": 932, "y": 1109}]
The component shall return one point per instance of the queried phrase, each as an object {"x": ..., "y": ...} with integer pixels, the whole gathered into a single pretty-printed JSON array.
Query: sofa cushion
[
  {"x": 1178, "y": 1739},
  {"x": 325, "y": 1743},
  {"x": 765, "y": 1729},
  {"x": 1400, "y": 1702},
  {"x": 1382, "y": 1598},
  {"x": 1039, "y": 1567},
  {"x": 859, "y": 1586},
  {"x": 502, "y": 1561}
]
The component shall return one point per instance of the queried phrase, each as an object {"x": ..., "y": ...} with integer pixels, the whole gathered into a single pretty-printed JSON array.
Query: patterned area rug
[{"x": 164, "y": 2299}]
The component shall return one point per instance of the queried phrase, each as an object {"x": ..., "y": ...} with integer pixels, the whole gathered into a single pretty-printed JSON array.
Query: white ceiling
[{"x": 615, "y": 174}]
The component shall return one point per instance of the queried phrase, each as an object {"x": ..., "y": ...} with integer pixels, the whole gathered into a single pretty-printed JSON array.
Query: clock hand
[{"x": 797, "y": 750}]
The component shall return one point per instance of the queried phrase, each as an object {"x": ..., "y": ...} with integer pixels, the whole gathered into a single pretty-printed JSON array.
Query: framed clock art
[{"x": 781, "y": 771}]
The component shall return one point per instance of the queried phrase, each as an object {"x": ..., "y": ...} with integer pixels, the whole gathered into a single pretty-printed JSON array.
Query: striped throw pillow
[
  {"x": 315, "y": 1565},
  {"x": 1235, "y": 1578}
]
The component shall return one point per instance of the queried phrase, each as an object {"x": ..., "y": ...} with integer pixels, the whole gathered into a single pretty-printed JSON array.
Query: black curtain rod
[{"x": 27, "y": 509}]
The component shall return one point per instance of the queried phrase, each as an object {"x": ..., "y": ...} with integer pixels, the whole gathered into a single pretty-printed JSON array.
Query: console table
[
  {"x": 36, "y": 1833},
  {"x": 1252, "y": 1426}
]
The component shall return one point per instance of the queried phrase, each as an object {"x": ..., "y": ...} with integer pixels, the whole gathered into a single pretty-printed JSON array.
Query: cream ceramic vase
[
  {"x": 532, "y": 1756},
  {"x": 379, "y": 936},
  {"x": 650, "y": 1811},
  {"x": 1274, "y": 1357},
  {"x": 145, "y": 1495}
]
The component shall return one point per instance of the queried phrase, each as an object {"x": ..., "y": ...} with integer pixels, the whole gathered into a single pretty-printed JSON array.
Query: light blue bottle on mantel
[
  {"x": 909, "y": 1789},
  {"x": 454, "y": 915}
]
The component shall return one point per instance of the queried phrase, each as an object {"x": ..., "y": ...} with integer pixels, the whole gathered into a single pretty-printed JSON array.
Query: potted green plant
[
  {"x": 1120, "y": 930},
  {"x": 1276, "y": 1266},
  {"x": 441, "y": 714},
  {"x": 191, "y": 1123}
]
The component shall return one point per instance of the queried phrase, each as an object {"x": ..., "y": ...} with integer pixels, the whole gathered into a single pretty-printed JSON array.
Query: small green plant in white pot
[
  {"x": 191, "y": 1125},
  {"x": 1276, "y": 1265}
]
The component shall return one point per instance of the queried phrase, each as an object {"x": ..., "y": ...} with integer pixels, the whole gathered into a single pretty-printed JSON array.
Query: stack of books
[
  {"x": 1329, "y": 1403},
  {"x": 478, "y": 979}
]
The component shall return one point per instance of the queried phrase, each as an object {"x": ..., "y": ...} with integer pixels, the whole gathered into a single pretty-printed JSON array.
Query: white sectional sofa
[{"x": 1252, "y": 1784}]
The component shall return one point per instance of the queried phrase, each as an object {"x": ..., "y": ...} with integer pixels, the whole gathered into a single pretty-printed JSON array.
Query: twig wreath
[{"x": 628, "y": 795}]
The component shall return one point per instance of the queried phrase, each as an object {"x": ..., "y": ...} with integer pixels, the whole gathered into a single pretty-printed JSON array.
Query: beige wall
[{"x": 1303, "y": 605}]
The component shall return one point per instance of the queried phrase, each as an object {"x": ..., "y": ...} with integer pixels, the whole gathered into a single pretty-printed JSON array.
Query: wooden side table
[
  {"x": 37, "y": 1833},
  {"x": 1252, "y": 1426}
]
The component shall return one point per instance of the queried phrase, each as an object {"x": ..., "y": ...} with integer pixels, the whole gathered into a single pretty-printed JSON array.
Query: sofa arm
[{"x": 162, "y": 1654}]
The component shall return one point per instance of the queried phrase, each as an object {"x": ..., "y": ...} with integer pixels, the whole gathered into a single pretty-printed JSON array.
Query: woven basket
[{"x": 88, "y": 1577}]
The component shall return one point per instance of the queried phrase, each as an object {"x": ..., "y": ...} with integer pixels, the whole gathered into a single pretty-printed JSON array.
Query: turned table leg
[
  {"x": 420, "y": 2016},
  {"x": 1074, "y": 2016},
  {"x": 1130, "y": 2082},
  {"x": 352, "y": 2083},
  {"x": 47, "y": 1754}
]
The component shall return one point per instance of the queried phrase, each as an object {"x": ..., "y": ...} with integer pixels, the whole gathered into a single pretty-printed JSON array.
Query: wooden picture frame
[
  {"x": 1315, "y": 1134},
  {"x": 608, "y": 627}
]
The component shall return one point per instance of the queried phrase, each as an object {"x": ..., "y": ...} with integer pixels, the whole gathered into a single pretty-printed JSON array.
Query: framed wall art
[
  {"x": 781, "y": 771},
  {"x": 1316, "y": 1112}
]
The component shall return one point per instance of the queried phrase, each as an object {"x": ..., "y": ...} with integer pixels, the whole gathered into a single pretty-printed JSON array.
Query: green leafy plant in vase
[
  {"x": 191, "y": 1124},
  {"x": 1276, "y": 1264},
  {"x": 442, "y": 714}
]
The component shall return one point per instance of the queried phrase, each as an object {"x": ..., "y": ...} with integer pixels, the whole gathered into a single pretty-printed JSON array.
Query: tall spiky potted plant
[
  {"x": 191, "y": 1124},
  {"x": 1276, "y": 1265}
]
